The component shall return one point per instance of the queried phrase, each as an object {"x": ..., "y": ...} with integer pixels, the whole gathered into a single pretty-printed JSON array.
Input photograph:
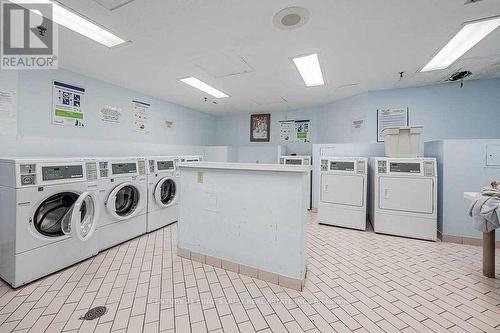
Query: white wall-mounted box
[{"x": 493, "y": 155}]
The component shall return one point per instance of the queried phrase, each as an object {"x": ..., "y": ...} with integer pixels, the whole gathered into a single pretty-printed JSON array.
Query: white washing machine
[
  {"x": 49, "y": 211},
  {"x": 343, "y": 192},
  {"x": 405, "y": 197},
  {"x": 123, "y": 189},
  {"x": 163, "y": 192}
]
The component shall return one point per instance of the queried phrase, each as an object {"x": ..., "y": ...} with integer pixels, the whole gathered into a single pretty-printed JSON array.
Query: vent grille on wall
[{"x": 113, "y": 4}]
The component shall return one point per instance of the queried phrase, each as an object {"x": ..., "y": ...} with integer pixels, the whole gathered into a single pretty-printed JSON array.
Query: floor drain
[{"x": 94, "y": 313}]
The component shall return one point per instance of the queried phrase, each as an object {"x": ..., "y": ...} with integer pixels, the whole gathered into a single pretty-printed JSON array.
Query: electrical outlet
[{"x": 200, "y": 177}]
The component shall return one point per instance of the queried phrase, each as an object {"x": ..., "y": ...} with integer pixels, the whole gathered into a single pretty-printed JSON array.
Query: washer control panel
[
  {"x": 28, "y": 174},
  {"x": 91, "y": 170}
]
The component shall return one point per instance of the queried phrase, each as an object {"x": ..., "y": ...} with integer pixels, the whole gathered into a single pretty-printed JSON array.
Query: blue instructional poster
[{"x": 68, "y": 105}]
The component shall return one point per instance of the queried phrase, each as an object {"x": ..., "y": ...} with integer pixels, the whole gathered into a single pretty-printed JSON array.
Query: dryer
[
  {"x": 343, "y": 192},
  {"x": 405, "y": 197},
  {"x": 49, "y": 213},
  {"x": 299, "y": 160},
  {"x": 295, "y": 160},
  {"x": 123, "y": 189},
  {"x": 190, "y": 158},
  {"x": 163, "y": 192}
]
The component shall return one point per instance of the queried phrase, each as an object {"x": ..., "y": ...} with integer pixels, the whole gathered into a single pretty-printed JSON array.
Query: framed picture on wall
[{"x": 260, "y": 127}]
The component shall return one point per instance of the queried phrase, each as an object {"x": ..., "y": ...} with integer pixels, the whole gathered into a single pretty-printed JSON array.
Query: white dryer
[
  {"x": 299, "y": 160},
  {"x": 343, "y": 192},
  {"x": 190, "y": 158},
  {"x": 49, "y": 211},
  {"x": 123, "y": 189},
  {"x": 295, "y": 160},
  {"x": 405, "y": 197},
  {"x": 163, "y": 192}
]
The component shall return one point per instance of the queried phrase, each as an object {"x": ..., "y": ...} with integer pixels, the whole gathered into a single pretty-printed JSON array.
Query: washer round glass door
[
  {"x": 80, "y": 220},
  {"x": 124, "y": 200},
  {"x": 51, "y": 212},
  {"x": 165, "y": 192}
]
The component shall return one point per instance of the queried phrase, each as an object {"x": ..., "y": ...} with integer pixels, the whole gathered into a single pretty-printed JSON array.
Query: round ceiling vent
[{"x": 291, "y": 18}]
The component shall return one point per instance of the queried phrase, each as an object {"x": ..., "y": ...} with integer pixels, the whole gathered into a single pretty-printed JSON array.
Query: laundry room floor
[{"x": 356, "y": 281}]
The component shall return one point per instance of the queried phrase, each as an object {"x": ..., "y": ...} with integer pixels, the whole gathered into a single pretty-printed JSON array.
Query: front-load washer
[
  {"x": 49, "y": 212},
  {"x": 163, "y": 192},
  {"x": 405, "y": 197},
  {"x": 343, "y": 192},
  {"x": 123, "y": 189}
]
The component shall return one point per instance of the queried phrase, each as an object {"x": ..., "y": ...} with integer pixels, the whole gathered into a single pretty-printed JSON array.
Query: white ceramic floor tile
[{"x": 356, "y": 282}]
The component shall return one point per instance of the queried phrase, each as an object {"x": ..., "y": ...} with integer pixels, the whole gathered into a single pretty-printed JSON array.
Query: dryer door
[
  {"x": 407, "y": 194},
  {"x": 80, "y": 221},
  {"x": 166, "y": 192},
  {"x": 343, "y": 189},
  {"x": 123, "y": 201}
]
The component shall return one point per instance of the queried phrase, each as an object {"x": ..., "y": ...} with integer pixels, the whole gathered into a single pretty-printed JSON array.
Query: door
[
  {"x": 165, "y": 192},
  {"x": 406, "y": 194},
  {"x": 123, "y": 201},
  {"x": 343, "y": 189},
  {"x": 80, "y": 220},
  {"x": 48, "y": 218}
]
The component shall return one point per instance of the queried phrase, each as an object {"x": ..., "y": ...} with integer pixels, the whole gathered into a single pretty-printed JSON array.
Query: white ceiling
[{"x": 363, "y": 45}]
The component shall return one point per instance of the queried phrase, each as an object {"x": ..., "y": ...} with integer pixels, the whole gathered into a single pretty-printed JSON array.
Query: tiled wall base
[
  {"x": 283, "y": 281},
  {"x": 465, "y": 240}
]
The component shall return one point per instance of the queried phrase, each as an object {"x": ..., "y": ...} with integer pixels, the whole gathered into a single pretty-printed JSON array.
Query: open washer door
[
  {"x": 166, "y": 192},
  {"x": 81, "y": 219}
]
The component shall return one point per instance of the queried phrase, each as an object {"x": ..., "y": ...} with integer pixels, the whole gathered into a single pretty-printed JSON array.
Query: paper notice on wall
[
  {"x": 287, "y": 131},
  {"x": 110, "y": 114},
  {"x": 68, "y": 105},
  {"x": 8, "y": 118},
  {"x": 303, "y": 131},
  {"x": 357, "y": 124},
  {"x": 6, "y": 104},
  {"x": 390, "y": 118},
  {"x": 141, "y": 114}
]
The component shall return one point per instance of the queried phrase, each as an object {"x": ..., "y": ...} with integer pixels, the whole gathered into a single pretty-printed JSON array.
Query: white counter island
[{"x": 247, "y": 218}]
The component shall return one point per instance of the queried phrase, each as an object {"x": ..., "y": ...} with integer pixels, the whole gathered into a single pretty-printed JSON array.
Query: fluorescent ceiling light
[
  {"x": 77, "y": 23},
  {"x": 470, "y": 34},
  {"x": 194, "y": 82},
  {"x": 310, "y": 70}
]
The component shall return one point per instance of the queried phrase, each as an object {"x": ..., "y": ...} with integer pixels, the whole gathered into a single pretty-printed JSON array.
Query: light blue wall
[
  {"x": 461, "y": 168},
  {"x": 446, "y": 111},
  {"x": 234, "y": 130},
  {"x": 34, "y": 96}
]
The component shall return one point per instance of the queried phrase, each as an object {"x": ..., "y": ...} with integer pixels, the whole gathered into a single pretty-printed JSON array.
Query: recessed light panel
[
  {"x": 200, "y": 85},
  {"x": 310, "y": 70},
  {"x": 77, "y": 23},
  {"x": 470, "y": 34}
]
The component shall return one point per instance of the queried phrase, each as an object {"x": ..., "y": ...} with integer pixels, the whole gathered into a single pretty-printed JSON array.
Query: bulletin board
[
  {"x": 293, "y": 131},
  {"x": 391, "y": 118}
]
